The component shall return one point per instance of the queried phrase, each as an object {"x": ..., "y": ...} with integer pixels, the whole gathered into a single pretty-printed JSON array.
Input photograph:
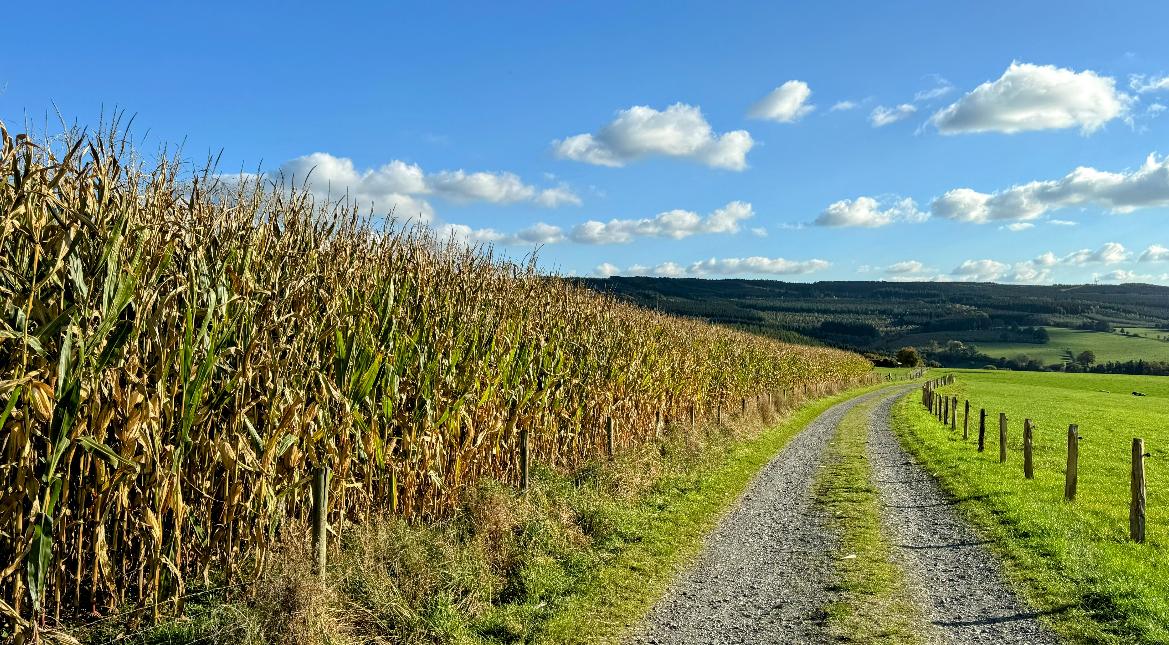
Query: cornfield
[{"x": 178, "y": 353}]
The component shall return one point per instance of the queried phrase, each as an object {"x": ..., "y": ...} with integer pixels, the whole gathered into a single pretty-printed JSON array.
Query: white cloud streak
[
  {"x": 404, "y": 187},
  {"x": 755, "y": 265},
  {"x": 1118, "y": 192},
  {"x": 882, "y": 116},
  {"x": 676, "y": 224}
]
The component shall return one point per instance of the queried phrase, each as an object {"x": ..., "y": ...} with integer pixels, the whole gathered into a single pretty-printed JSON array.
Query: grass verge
[
  {"x": 874, "y": 606},
  {"x": 579, "y": 558},
  {"x": 1071, "y": 560}
]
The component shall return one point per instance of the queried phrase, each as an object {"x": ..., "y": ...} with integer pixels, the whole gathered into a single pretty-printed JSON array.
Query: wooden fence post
[
  {"x": 981, "y": 429},
  {"x": 658, "y": 422},
  {"x": 524, "y": 459},
  {"x": 1136, "y": 510},
  {"x": 719, "y": 415},
  {"x": 954, "y": 416},
  {"x": 692, "y": 405},
  {"x": 320, "y": 512},
  {"x": 1028, "y": 449},
  {"x": 966, "y": 422},
  {"x": 610, "y": 431},
  {"x": 1002, "y": 437},
  {"x": 1071, "y": 475},
  {"x": 743, "y": 411}
]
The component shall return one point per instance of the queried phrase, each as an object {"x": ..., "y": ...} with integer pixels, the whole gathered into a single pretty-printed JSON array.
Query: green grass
[
  {"x": 1107, "y": 346},
  {"x": 875, "y": 606},
  {"x": 1073, "y": 560}
]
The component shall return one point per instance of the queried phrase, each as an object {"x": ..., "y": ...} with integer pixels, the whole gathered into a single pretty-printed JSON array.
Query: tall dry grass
[{"x": 178, "y": 352}]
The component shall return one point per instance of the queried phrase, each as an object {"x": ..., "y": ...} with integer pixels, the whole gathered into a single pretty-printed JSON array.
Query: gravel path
[
  {"x": 765, "y": 572},
  {"x": 959, "y": 582}
]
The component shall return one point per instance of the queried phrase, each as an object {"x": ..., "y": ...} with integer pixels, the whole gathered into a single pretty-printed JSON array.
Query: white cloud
[
  {"x": 723, "y": 267},
  {"x": 906, "y": 267},
  {"x": 759, "y": 231},
  {"x": 841, "y": 106},
  {"x": 1035, "y": 97},
  {"x": 669, "y": 270},
  {"x": 882, "y": 116},
  {"x": 757, "y": 265},
  {"x": 1108, "y": 253},
  {"x": 1015, "y": 227},
  {"x": 496, "y": 188},
  {"x": 786, "y": 104},
  {"x": 1155, "y": 253},
  {"x": 869, "y": 212},
  {"x": 1061, "y": 222},
  {"x": 1121, "y": 275},
  {"x": 606, "y": 269},
  {"x": 536, "y": 234},
  {"x": 401, "y": 186},
  {"x": 1119, "y": 192},
  {"x": 676, "y": 224},
  {"x": 678, "y": 131},
  {"x": 1143, "y": 84},
  {"x": 981, "y": 270},
  {"x": 941, "y": 88}
]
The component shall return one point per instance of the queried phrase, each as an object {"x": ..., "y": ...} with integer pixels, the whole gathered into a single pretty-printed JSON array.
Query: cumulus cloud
[
  {"x": 537, "y": 234},
  {"x": 906, "y": 267},
  {"x": 785, "y": 104},
  {"x": 981, "y": 270},
  {"x": 882, "y": 116},
  {"x": 870, "y": 212},
  {"x": 678, "y": 131},
  {"x": 1119, "y": 192},
  {"x": 1108, "y": 253},
  {"x": 1155, "y": 253},
  {"x": 403, "y": 186},
  {"x": 606, "y": 269},
  {"x": 841, "y": 106},
  {"x": 1035, "y": 97},
  {"x": 1015, "y": 227},
  {"x": 676, "y": 224}
]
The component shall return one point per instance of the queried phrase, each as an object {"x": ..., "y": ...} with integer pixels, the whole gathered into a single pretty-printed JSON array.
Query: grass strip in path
[{"x": 875, "y": 605}]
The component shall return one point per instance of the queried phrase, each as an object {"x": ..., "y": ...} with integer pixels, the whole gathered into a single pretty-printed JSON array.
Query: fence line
[{"x": 939, "y": 406}]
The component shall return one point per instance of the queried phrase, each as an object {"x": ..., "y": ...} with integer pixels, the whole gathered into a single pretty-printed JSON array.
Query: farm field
[
  {"x": 1107, "y": 346},
  {"x": 1074, "y": 557}
]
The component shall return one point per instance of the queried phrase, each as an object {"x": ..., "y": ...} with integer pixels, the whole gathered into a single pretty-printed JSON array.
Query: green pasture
[
  {"x": 1107, "y": 346},
  {"x": 1074, "y": 559}
]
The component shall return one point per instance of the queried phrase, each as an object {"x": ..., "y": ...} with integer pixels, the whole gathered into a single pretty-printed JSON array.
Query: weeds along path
[
  {"x": 949, "y": 567},
  {"x": 765, "y": 573}
]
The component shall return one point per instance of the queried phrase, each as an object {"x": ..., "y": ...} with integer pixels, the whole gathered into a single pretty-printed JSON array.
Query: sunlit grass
[{"x": 1074, "y": 558}]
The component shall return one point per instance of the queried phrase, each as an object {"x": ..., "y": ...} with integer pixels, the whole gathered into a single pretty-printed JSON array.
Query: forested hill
[{"x": 882, "y": 316}]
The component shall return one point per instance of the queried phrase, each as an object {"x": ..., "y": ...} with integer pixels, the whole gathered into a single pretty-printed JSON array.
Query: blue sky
[{"x": 667, "y": 138}]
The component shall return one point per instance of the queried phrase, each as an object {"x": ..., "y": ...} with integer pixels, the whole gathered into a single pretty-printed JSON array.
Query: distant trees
[
  {"x": 1097, "y": 325},
  {"x": 1086, "y": 358},
  {"x": 908, "y": 357}
]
